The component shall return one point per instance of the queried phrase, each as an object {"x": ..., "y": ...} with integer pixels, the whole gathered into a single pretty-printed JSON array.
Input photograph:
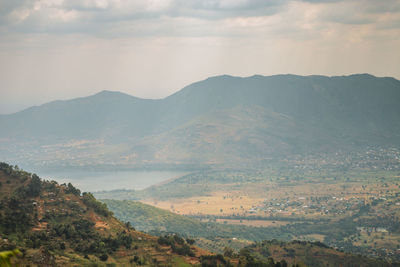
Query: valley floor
[{"x": 356, "y": 211}]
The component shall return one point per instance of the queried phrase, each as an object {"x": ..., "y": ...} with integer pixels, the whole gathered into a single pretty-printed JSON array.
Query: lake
[{"x": 92, "y": 181}]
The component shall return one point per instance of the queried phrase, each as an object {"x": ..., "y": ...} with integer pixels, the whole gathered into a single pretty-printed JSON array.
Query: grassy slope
[{"x": 146, "y": 218}]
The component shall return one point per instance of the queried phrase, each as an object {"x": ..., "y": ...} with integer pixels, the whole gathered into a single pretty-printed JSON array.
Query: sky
[{"x": 60, "y": 49}]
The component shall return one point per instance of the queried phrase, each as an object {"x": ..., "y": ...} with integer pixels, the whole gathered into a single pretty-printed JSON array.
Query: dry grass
[
  {"x": 220, "y": 203},
  {"x": 256, "y": 223},
  {"x": 227, "y": 202}
]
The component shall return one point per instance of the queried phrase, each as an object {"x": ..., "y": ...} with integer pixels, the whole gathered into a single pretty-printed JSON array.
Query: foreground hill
[
  {"x": 218, "y": 120},
  {"x": 54, "y": 224}
]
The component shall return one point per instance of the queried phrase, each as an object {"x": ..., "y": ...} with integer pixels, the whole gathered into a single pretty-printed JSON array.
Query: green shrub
[{"x": 98, "y": 207}]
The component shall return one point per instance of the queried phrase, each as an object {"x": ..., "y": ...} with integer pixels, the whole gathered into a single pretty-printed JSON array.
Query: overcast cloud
[{"x": 55, "y": 49}]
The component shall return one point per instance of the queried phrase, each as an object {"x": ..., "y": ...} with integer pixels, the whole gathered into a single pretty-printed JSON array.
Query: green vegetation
[
  {"x": 63, "y": 219},
  {"x": 214, "y": 260},
  {"x": 177, "y": 243},
  {"x": 309, "y": 254},
  {"x": 157, "y": 221},
  {"x": 98, "y": 207},
  {"x": 53, "y": 224},
  {"x": 6, "y": 257}
]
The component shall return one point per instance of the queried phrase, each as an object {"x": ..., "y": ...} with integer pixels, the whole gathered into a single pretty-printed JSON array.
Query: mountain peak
[{"x": 111, "y": 93}]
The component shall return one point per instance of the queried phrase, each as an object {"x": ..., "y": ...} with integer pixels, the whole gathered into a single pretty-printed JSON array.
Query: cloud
[
  {"x": 254, "y": 19},
  {"x": 116, "y": 18},
  {"x": 91, "y": 16}
]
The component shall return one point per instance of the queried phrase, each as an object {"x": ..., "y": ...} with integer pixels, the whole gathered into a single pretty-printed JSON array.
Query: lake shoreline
[{"x": 97, "y": 180}]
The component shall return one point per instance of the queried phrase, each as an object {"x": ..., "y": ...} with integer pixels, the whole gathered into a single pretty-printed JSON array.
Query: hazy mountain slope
[
  {"x": 219, "y": 119},
  {"x": 233, "y": 134},
  {"x": 104, "y": 115},
  {"x": 333, "y": 102}
]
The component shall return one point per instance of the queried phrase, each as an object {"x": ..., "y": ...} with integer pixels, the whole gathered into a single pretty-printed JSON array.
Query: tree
[
  {"x": 103, "y": 257},
  {"x": 228, "y": 252},
  {"x": 35, "y": 186},
  {"x": 72, "y": 190}
]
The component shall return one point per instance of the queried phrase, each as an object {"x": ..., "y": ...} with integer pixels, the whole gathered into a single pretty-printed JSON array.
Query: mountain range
[{"x": 221, "y": 119}]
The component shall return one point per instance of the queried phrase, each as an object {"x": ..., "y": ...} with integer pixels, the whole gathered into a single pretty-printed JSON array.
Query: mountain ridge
[
  {"x": 351, "y": 112},
  {"x": 110, "y": 92}
]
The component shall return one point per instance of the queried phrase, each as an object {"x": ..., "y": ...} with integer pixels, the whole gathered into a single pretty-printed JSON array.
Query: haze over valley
[{"x": 221, "y": 121}]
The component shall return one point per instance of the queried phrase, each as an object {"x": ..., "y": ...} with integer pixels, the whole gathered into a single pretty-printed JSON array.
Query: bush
[
  {"x": 214, "y": 260},
  {"x": 103, "y": 257},
  {"x": 190, "y": 241},
  {"x": 6, "y": 256},
  {"x": 177, "y": 243},
  {"x": 98, "y": 207},
  {"x": 228, "y": 252},
  {"x": 72, "y": 190}
]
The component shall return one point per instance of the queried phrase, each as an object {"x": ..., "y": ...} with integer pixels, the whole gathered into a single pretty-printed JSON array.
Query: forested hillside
[{"x": 56, "y": 225}]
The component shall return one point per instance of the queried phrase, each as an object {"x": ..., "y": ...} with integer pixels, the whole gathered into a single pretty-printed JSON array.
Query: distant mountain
[
  {"x": 104, "y": 115},
  {"x": 220, "y": 119}
]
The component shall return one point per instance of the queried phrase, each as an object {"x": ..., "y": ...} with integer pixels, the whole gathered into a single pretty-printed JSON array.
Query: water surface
[{"x": 92, "y": 181}]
